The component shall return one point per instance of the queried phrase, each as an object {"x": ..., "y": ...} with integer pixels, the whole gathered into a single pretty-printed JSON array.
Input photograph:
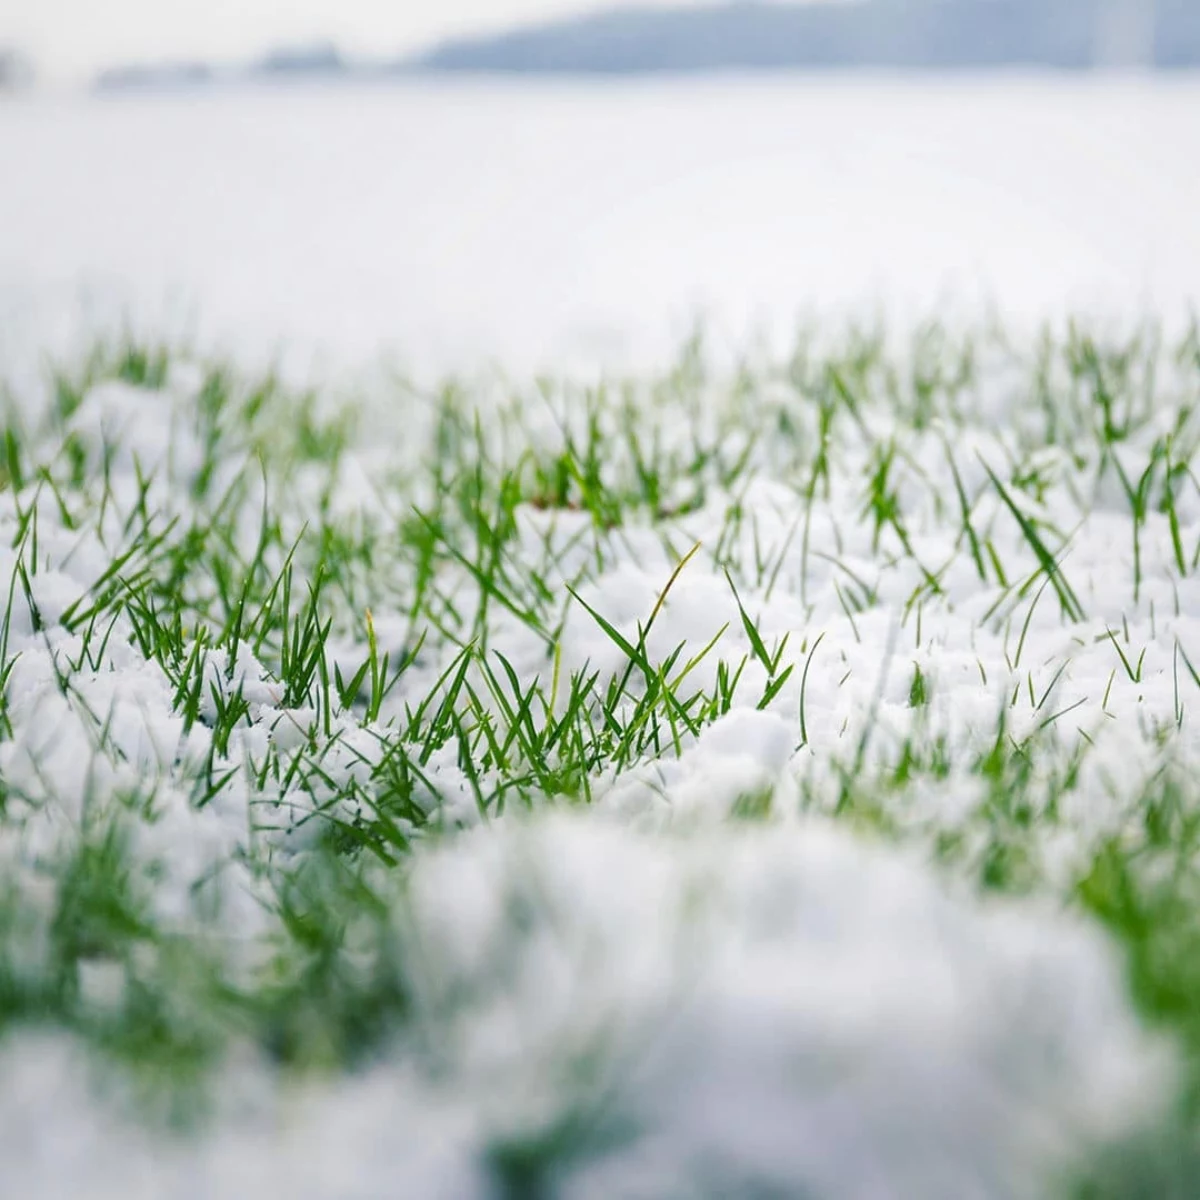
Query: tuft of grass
[{"x": 322, "y": 633}]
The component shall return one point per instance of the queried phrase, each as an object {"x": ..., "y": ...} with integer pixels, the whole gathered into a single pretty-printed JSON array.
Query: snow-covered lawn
[{"x": 778, "y": 782}]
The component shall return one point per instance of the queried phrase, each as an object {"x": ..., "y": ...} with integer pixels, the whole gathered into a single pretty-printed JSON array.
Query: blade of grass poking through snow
[
  {"x": 965, "y": 512},
  {"x": 378, "y": 670},
  {"x": 775, "y": 686},
  {"x": 452, "y": 680},
  {"x": 1173, "y": 512},
  {"x": 804, "y": 689},
  {"x": 770, "y": 662},
  {"x": 662, "y": 596},
  {"x": 636, "y": 656},
  {"x": 1066, "y": 596},
  {"x": 12, "y": 458},
  {"x": 1187, "y": 662},
  {"x": 486, "y": 578},
  {"x": 1133, "y": 671},
  {"x": 1138, "y": 497}
]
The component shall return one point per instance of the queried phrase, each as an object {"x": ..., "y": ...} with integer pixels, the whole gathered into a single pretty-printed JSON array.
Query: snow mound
[{"x": 600, "y": 1012}]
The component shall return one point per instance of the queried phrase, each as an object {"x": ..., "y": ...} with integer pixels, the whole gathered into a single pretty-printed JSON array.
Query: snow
[
  {"x": 740, "y": 1012},
  {"x": 773, "y": 964},
  {"x": 780, "y": 1006},
  {"x": 454, "y": 224},
  {"x": 774, "y": 1006}
]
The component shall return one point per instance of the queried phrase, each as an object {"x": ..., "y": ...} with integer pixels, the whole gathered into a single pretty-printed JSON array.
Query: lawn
[{"x": 777, "y": 781}]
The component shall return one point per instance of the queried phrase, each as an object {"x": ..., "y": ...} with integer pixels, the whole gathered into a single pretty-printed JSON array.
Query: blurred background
[
  {"x": 73, "y": 40},
  {"x": 549, "y": 182}
]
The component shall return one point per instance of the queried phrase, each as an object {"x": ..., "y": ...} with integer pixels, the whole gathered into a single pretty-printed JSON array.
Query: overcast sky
[{"x": 68, "y": 39}]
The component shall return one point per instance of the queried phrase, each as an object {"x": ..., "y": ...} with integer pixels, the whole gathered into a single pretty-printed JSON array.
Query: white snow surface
[
  {"x": 783, "y": 1008},
  {"x": 449, "y": 224},
  {"x": 735, "y": 1013},
  {"x": 718, "y": 1008}
]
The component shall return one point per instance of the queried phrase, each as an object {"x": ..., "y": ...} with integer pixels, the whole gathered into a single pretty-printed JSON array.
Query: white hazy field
[{"x": 567, "y": 223}]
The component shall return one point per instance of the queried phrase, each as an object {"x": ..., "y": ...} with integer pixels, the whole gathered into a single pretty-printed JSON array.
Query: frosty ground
[
  {"x": 747, "y": 778},
  {"x": 771, "y": 781},
  {"x": 448, "y": 223}
]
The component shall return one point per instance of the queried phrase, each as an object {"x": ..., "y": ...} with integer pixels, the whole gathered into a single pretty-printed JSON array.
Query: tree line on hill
[
  {"x": 1073, "y": 34},
  {"x": 16, "y": 71},
  {"x": 756, "y": 35}
]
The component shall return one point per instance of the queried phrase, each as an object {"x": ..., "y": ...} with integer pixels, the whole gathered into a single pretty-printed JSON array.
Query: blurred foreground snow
[{"x": 735, "y": 1012}]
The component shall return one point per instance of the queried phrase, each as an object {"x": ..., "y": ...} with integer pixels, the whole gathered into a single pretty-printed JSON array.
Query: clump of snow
[
  {"x": 358, "y": 1139},
  {"x": 741, "y": 1011},
  {"x": 741, "y": 755},
  {"x": 767, "y": 1011}
]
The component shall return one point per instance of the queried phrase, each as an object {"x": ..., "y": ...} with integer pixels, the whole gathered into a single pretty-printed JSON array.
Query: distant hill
[
  {"x": 164, "y": 76},
  {"x": 322, "y": 60},
  {"x": 16, "y": 71},
  {"x": 751, "y": 34}
]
